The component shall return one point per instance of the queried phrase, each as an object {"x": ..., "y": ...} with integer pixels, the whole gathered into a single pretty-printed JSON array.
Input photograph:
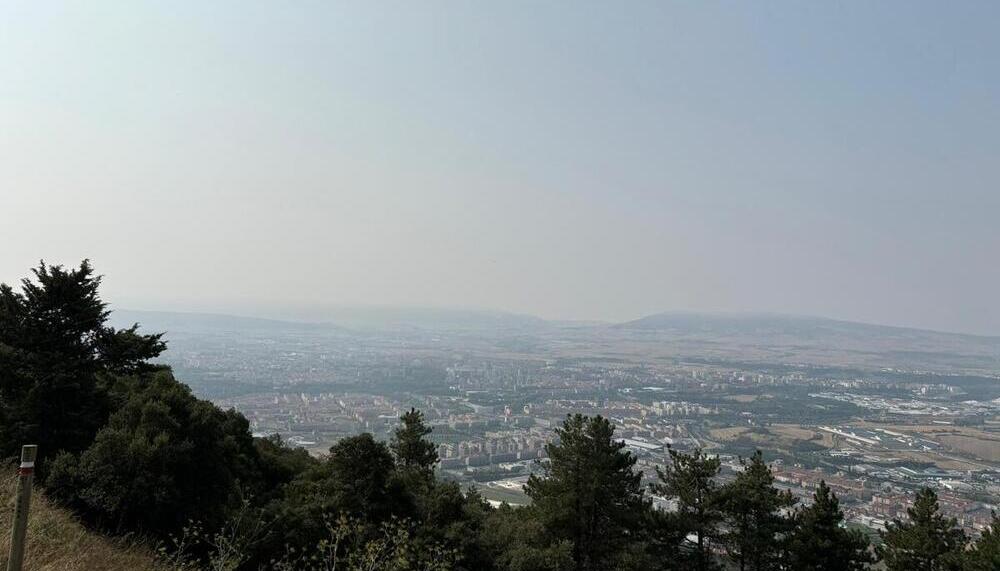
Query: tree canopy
[
  {"x": 755, "y": 516},
  {"x": 927, "y": 541},
  {"x": 589, "y": 493},
  {"x": 55, "y": 351},
  {"x": 819, "y": 541},
  {"x": 689, "y": 480}
]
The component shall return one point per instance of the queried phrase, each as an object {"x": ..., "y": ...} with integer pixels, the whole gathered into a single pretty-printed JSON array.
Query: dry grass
[
  {"x": 932, "y": 429},
  {"x": 793, "y": 432},
  {"x": 965, "y": 441},
  {"x": 728, "y": 434},
  {"x": 939, "y": 460},
  {"x": 986, "y": 448},
  {"x": 57, "y": 542}
]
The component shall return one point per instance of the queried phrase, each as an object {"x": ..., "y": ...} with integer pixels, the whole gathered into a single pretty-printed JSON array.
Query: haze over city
[
  {"x": 572, "y": 161},
  {"x": 500, "y": 286}
]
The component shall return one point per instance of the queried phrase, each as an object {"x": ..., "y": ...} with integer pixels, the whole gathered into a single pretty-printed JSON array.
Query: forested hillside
[{"x": 132, "y": 452}]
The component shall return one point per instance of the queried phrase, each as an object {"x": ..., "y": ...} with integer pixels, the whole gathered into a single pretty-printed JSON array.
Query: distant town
[{"x": 875, "y": 434}]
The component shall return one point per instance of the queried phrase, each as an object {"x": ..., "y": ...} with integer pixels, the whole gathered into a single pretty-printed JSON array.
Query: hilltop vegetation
[{"x": 132, "y": 452}]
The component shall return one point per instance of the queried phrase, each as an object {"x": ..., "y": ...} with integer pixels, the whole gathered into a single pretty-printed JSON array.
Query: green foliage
[
  {"x": 517, "y": 541},
  {"x": 356, "y": 479},
  {"x": 165, "y": 457},
  {"x": 927, "y": 541},
  {"x": 360, "y": 482},
  {"x": 446, "y": 516},
  {"x": 590, "y": 494},
  {"x": 690, "y": 480},
  {"x": 54, "y": 343},
  {"x": 754, "y": 516},
  {"x": 412, "y": 450},
  {"x": 820, "y": 542},
  {"x": 279, "y": 464},
  {"x": 985, "y": 553},
  {"x": 351, "y": 545},
  {"x": 228, "y": 549}
]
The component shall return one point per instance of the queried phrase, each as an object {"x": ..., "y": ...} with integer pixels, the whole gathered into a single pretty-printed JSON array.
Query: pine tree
[
  {"x": 590, "y": 493},
  {"x": 820, "y": 543},
  {"x": 757, "y": 526},
  {"x": 985, "y": 553},
  {"x": 412, "y": 450},
  {"x": 690, "y": 480},
  {"x": 54, "y": 344},
  {"x": 361, "y": 469},
  {"x": 927, "y": 541}
]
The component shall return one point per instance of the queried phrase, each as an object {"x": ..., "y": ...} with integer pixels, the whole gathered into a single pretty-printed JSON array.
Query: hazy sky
[{"x": 566, "y": 159}]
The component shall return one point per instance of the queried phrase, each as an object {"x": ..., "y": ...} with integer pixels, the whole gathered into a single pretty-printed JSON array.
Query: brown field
[
  {"x": 778, "y": 435},
  {"x": 986, "y": 448},
  {"x": 931, "y": 430},
  {"x": 943, "y": 462},
  {"x": 57, "y": 542},
  {"x": 827, "y": 440},
  {"x": 793, "y": 432},
  {"x": 962, "y": 440},
  {"x": 727, "y": 434},
  {"x": 966, "y": 442}
]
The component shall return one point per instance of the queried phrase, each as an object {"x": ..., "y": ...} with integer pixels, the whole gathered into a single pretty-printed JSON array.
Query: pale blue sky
[{"x": 570, "y": 160}]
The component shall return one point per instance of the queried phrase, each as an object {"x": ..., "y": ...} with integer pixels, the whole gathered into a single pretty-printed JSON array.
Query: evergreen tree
[
  {"x": 516, "y": 540},
  {"x": 927, "y": 541},
  {"x": 590, "y": 493},
  {"x": 757, "y": 526},
  {"x": 54, "y": 345},
  {"x": 690, "y": 480},
  {"x": 985, "y": 553},
  {"x": 165, "y": 457},
  {"x": 279, "y": 464},
  {"x": 356, "y": 480},
  {"x": 412, "y": 450},
  {"x": 361, "y": 477},
  {"x": 445, "y": 516},
  {"x": 820, "y": 543},
  {"x": 453, "y": 519}
]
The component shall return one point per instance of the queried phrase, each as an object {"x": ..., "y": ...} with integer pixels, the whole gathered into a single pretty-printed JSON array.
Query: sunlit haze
[{"x": 586, "y": 161}]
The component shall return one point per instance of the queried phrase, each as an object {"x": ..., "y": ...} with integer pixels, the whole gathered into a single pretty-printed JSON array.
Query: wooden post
[{"x": 25, "y": 477}]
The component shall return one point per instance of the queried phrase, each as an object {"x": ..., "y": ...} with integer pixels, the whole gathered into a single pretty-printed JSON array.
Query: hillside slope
[
  {"x": 57, "y": 542},
  {"x": 813, "y": 340}
]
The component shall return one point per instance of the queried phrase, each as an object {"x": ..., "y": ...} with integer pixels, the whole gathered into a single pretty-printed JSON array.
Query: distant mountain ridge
[
  {"x": 744, "y": 337},
  {"x": 814, "y": 340},
  {"x": 692, "y": 322},
  {"x": 327, "y": 319},
  {"x": 676, "y": 322},
  {"x": 424, "y": 318},
  {"x": 168, "y": 320}
]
